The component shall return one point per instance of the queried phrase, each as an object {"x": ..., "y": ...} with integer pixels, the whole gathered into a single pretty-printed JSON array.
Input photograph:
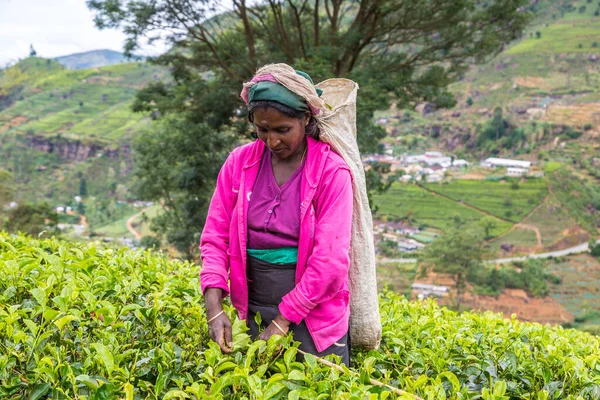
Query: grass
[
  {"x": 411, "y": 201},
  {"x": 396, "y": 276},
  {"x": 497, "y": 198},
  {"x": 551, "y": 166},
  {"x": 115, "y": 229},
  {"x": 519, "y": 237},
  {"x": 551, "y": 219},
  {"x": 144, "y": 228},
  {"x": 92, "y": 103},
  {"x": 561, "y": 37},
  {"x": 580, "y": 195},
  {"x": 581, "y": 297}
]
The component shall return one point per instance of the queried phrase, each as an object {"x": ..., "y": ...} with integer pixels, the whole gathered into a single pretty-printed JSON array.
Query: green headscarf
[{"x": 272, "y": 91}]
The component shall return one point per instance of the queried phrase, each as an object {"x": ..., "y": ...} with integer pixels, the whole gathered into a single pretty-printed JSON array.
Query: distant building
[
  {"x": 405, "y": 178},
  {"x": 505, "y": 162},
  {"x": 429, "y": 158},
  {"x": 425, "y": 290},
  {"x": 516, "y": 172},
  {"x": 434, "y": 178},
  {"x": 409, "y": 245},
  {"x": 460, "y": 163}
]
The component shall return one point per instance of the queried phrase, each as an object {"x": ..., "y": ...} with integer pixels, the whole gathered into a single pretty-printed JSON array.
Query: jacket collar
[{"x": 315, "y": 158}]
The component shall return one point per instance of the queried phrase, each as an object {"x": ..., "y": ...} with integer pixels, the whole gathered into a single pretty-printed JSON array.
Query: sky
[{"x": 54, "y": 28}]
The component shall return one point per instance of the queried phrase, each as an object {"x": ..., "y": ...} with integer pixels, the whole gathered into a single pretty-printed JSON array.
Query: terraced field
[
  {"x": 414, "y": 202},
  {"x": 497, "y": 198},
  {"x": 92, "y": 103}
]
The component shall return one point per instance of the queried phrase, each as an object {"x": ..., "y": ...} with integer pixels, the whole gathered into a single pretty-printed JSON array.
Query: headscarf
[{"x": 265, "y": 86}]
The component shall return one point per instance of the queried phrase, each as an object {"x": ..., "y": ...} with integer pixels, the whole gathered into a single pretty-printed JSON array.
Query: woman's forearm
[{"x": 213, "y": 298}]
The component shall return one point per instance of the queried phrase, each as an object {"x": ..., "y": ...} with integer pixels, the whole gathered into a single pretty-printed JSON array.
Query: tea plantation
[{"x": 84, "y": 322}]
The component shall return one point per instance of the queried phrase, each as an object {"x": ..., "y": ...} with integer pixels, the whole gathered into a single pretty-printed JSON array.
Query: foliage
[
  {"x": 530, "y": 276},
  {"x": 150, "y": 242},
  {"x": 579, "y": 195},
  {"x": 457, "y": 253},
  {"x": 6, "y": 188},
  {"x": 594, "y": 248},
  {"x": 393, "y": 60},
  {"x": 389, "y": 248},
  {"x": 488, "y": 224},
  {"x": 498, "y": 133},
  {"x": 31, "y": 218},
  {"x": 87, "y": 322}
]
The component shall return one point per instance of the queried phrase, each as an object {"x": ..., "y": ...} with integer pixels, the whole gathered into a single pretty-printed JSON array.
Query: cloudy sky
[{"x": 55, "y": 28}]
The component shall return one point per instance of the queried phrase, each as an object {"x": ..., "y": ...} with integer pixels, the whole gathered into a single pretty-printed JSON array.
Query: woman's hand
[
  {"x": 220, "y": 331},
  {"x": 219, "y": 328},
  {"x": 273, "y": 329}
]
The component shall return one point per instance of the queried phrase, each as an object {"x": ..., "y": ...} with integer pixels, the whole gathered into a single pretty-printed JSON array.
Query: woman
[{"x": 278, "y": 228}]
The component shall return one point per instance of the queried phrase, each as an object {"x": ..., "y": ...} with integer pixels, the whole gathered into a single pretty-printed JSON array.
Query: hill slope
[
  {"x": 59, "y": 127},
  {"x": 92, "y": 59}
]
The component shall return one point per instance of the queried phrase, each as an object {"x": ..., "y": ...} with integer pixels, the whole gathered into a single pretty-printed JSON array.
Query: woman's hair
[{"x": 311, "y": 129}]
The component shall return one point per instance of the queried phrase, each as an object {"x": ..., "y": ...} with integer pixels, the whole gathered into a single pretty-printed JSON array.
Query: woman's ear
[{"x": 307, "y": 116}]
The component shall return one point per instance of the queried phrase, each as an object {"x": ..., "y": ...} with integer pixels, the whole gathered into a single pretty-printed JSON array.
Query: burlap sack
[{"x": 338, "y": 128}]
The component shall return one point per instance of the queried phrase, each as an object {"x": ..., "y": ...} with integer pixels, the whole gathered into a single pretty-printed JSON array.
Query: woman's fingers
[
  {"x": 220, "y": 331},
  {"x": 228, "y": 334},
  {"x": 269, "y": 331}
]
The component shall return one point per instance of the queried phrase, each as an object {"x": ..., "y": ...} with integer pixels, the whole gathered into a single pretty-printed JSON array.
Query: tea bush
[{"x": 84, "y": 322}]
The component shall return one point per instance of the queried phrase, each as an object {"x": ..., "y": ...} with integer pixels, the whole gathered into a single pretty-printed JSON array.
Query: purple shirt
[{"x": 274, "y": 211}]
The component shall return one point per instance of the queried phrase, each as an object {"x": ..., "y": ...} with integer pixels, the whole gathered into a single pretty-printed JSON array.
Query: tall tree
[
  {"x": 6, "y": 188},
  {"x": 399, "y": 52},
  {"x": 455, "y": 253}
]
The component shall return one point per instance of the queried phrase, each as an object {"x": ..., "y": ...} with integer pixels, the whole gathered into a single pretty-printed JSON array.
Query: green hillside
[
  {"x": 81, "y": 321},
  {"x": 92, "y": 59},
  {"x": 43, "y": 98},
  {"x": 61, "y": 130}
]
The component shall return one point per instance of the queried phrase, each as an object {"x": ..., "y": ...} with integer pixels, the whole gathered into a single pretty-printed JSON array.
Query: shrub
[
  {"x": 587, "y": 127},
  {"x": 595, "y": 44},
  {"x": 79, "y": 321},
  {"x": 150, "y": 242},
  {"x": 538, "y": 34}
]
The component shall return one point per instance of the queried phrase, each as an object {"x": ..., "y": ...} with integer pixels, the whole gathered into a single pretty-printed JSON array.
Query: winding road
[{"x": 580, "y": 248}]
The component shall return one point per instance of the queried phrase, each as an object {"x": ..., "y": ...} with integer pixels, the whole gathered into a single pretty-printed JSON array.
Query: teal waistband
[{"x": 284, "y": 255}]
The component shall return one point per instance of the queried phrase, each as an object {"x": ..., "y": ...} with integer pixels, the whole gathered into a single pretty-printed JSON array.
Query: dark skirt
[{"x": 267, "y": 284}]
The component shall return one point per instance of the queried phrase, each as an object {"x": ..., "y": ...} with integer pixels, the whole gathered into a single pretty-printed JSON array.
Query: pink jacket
[{"x": 320, "y": 296}]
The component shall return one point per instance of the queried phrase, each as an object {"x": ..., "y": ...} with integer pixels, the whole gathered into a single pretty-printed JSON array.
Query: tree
[
  {"x": 31, "y": 218},
  {"x": 488, "y": 224},
  {"x": 456, "y": 253},
  {"x": 538, "y": 34},
  {"x": 150, "y": 242},
  {"x": 594, "y": 248},
  {"x": 6, "y": 188},
  {"x": 470, "y": 101},
  {"x": 399, "y": 53},
  {"x": 83, "y": 191},
  {"x": 32, "y": 52}
]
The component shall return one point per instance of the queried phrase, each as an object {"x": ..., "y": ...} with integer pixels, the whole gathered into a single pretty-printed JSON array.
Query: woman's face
[{"x": 282, "y": 135}]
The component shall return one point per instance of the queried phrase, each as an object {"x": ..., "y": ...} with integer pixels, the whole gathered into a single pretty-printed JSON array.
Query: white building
[
  {"x": 434, "y": 178},
  {"x": 516, "y": 172},
  {"x": 460, "y": 163},
  {"x": 409, "y": 245},
  {"x": 405, "y": 178},
  {"x": 505, "y": 162},
  {"x": 425, "y": 290},
  {"x": 429, "y": 158}
]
